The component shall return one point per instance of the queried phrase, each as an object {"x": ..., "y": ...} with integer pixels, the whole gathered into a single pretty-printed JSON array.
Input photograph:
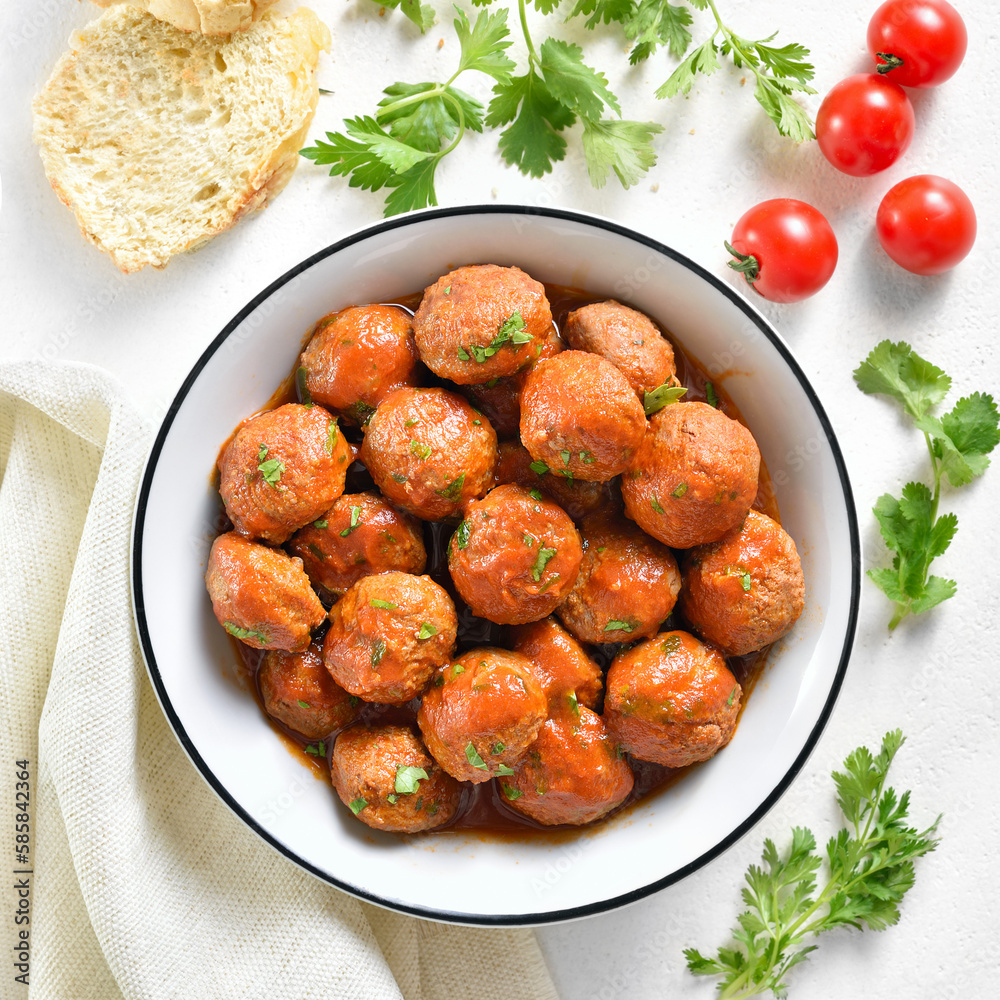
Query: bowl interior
[{"x": 461, "y": 876}]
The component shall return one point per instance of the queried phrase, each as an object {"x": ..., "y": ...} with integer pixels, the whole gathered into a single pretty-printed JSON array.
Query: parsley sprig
[
  {"x": 957, "y": 442},
  {"x": 870, "y": 870}
]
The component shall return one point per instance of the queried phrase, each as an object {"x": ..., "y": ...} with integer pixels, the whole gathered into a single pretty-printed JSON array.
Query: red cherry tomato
[
  {"x": 926, "y": 224},
  {"x": 785, "y": 249},
  {"x": 864, "y": 124},
  {"x": 917, "y": 43}
]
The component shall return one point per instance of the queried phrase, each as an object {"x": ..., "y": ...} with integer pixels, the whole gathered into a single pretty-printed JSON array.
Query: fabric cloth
[{"x": 144, "y": 884}]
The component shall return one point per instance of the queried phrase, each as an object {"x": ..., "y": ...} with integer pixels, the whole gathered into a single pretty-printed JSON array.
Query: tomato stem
[
  {"x": 746, "y": 263},
  {"x": 889, "y": 62}
]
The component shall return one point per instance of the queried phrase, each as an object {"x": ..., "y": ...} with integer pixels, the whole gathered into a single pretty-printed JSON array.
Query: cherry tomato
[
  {"x": 917, "y": 43},
  {"x": 926, "y": 224},
  {"x": 864, "y": 124},
  {"x": 784, "y": 248}
]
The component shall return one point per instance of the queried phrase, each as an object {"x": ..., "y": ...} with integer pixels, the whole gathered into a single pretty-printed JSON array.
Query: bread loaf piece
[
  {"x": 159, "y": 140},
  {"x": 210, "y": 17}
]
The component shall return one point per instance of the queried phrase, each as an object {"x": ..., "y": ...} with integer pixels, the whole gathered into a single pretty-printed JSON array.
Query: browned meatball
[
  {"x": 387, "y": 779},
  {"x": 626, "y": 338},
  {"x": 746, "y": 590},
  {"x": 388, "y": 634},
  {"x": 261, "y": 595},
  {"x": 481, "y": 322},
  {"x": 576, "y": 496},
  {"x": 580, "y": 416},
  {"x": 282, "y": 469},
  {"x": 357, "y": 356},
  {"x": 671, "y": 700},
  {"x": 482, "y": 713},
  {"x": 500, "y": 398},
  {"x": 627, "y": 585},
  {"x": 572, "y": 773},
  {"x": 514, "y": 557},
  {"x": 694, "y": 476},
  {"x": 358, "y": 536},
  {"x": 567, "y": 675},
  {"x": 429, "y": 451},
  {"x": 298, "y": 690}
]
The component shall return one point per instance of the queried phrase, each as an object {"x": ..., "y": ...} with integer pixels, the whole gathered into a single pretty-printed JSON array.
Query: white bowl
[{"x": 461, "y": 876}]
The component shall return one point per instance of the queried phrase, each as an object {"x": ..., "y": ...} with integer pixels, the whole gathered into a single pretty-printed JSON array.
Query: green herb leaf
[
  {"x": 503, "y": 770},
  {"x": 745, "y": 582},
  {"x": 544, "y": 556},
  {"x": 408, "y": 778},
  {"x": 321, "y": 524},
  {"x": 302, "y": 704},
  {"x": 626, "y": 147},
  {"x": 616, "y": 626},
  {"x": 462, "y": 533},
  {"x": 392, "y": 799},
  {"x": 377, "y": 602},
  {"x": 704, "y": 59},
  {"x": 539, "y": 468},
  {"x": 653, "y": 402},
  {"x": 896, "y": 370},
  {"x": 497, "y": 748},
  {"x": 258, "y": 635},
  {"x": 357, "y": 805},
  {"x": 421, "y": 450},
  {"x": 710, "y": 397},
  {"x": 472, "y": 756},
  {"x": 484, "y": 45},
  {"x": 420, "y": 14},
  {"x": 427, "y": 630},
  {"x": 271, "y": 469},
  {"x": 511, "y": 793},
  {"x": 679, "y": 490},
  {"x": 355, "y": 521},
  {"x": 378, "y": 651},
  {"x": 301, "y": 377},
  {"x": 331, "y": 437},
  {"x": 574, "y": 704},
  {"x": 655, "y": 504},
  {"x": 453, "y": 491}
]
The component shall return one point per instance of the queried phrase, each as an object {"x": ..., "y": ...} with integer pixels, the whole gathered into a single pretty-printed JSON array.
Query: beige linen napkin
[{"x": 144, "y": 884}]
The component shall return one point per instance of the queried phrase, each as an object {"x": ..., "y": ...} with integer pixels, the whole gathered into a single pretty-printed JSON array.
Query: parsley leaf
[
  {"x": 870, "y": 871},
  {"x": 271, "y": 469},
  {"x": 472, "y": 756},
  {"x": 376, "y": 602},
  {"x": 420, "y": 14},
  {"x": 623, "y": 146},
  {"x": 408, "y": 778},
  {"x": 653, "y": 402},
  {"x": 957, "y": 443},
  {"x": 239, "y": 632},
  {"x": 427, "y": 631},
  {"x": 544, "y": 556},
  {"x": 355, "y": 520},
  {"x": 617, "y": 626},
  {"x": 357, "y": 805},
  {"x": 462, "y": 533}
]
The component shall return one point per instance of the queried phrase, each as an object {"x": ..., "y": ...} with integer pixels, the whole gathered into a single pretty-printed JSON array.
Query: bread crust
[
  {"x": 159, "y": 140},
  {"x": 210, "y": 17}
]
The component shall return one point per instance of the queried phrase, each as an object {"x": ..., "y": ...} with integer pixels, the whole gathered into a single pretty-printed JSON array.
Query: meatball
[
  {"x": 694, "y": 476},
  {"x": 387, "y": 636},
  {"x": 480, "y": 322},
  {"x": 572, "y": 772},
  {"x": 482, "y": 713},
  {"x": 261, "y": 595},
  {"x": 746, "y": 590},
  {"x": 500, "y": 398},
  {"x": 671, "y": 700},
  {"x": 626, "y": 338},
  {"x": 298, "y": 690},
  {"x": 387, "y": 779},
  {"x": 282, "y": 469},
  {"x": 567, "y": 675},
  {"x": 357, "y": 356},
  {"x": 514, "y": 557},
  {"x": 429, "y": 451},
  {"x": 576, "y": 496},
  {"x": 580, "y": 416},
  {"x": 627, "y": 585},
  {"x": 360, "y": 535}
]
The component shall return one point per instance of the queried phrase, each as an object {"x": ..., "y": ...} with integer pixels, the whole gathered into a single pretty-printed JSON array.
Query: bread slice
[
  {"x": 159, "y": 140},
  {"x": 210, "y": 17}
]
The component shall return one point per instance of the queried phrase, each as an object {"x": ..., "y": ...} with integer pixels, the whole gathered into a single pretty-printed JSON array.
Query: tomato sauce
[{"x": 483, "y": 810}]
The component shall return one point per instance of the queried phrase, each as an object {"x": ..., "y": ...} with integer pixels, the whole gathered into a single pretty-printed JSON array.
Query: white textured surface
[{"x": 933, "y": 678}]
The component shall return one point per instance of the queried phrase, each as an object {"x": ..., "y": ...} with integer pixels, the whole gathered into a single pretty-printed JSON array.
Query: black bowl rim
[{"x": 516, "y": 919}]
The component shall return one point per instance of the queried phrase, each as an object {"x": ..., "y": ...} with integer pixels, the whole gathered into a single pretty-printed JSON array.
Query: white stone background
[{"x": 718, "y": 155}]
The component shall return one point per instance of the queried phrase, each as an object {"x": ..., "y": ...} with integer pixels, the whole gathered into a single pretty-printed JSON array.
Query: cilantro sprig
[
  {"x": 870, "y": 871},
  {"x": 779, "y": 72},
  {"x": 957, "y": 443}
]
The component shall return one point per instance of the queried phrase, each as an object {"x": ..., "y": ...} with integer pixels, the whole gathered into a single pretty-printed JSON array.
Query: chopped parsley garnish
[
  {"x": 548, "y": 583},
  {"x": 427, "y": 630},
  {"x": 472, "y": 756},
  {"x": 407, "y": 778},
  {"x": 317, "y": 751},
  {"x": 377, "y": 602},
  {"x": 574, "y": 704},
  {"x": 392, "y": 799},
  {"x": 655, "y": 504},
  {"x": 303, "y": 704},
  {"x": 670, "y": 645},
  {"x": 564, "y": 455},
  {"x": 361, "y": 412},
  {"x": 270, "y": 468},
  {"x": 456, "y": 669},
  {"x": 539, "y": 468},
  {"x": 711, "y": 398},
  {"x": 262, "y": 454},
  {"x": 355, "y": 520},
  {"x": 462, "y": 534},
  {"x": 587, "y": 457},
  {"x": 679, "y": 490},
  {"x": 463, "y": 354},
  {"x": 331, "y": 436},
  {"x": 664, "y": 395},
  {"x": 511, "y": 793},
  {"x": 399, "y": 477},
  {"x": 497, "y": 748},
  {"x": 544, "y": 555},
  {"x": 503, "y": 769},
  {"x": 300, "y": 383},
  {"x": 529, "y": 541},
  {"x": 535, "y": 494},
  {"x": 420, "y": 449},
  {"x": 732, "y": 695},
  {"x": 378, "y": 651},
  {"x": 617, "y": 626},
  {"x": 745, "y": 582},
  {"x": 453, "y": 490},
  {"x": 321, "y": 524},
  {"x": 477, "y": 423},
  {"x": 411, "y": 422},
  {"x": 357, "y": 805},
  {"x": 245, "y": 633},
  {"x": 447, "y": 291}
]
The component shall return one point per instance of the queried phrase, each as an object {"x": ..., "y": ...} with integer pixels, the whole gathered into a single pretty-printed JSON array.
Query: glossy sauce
[{"x": 483, "y": 809}]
